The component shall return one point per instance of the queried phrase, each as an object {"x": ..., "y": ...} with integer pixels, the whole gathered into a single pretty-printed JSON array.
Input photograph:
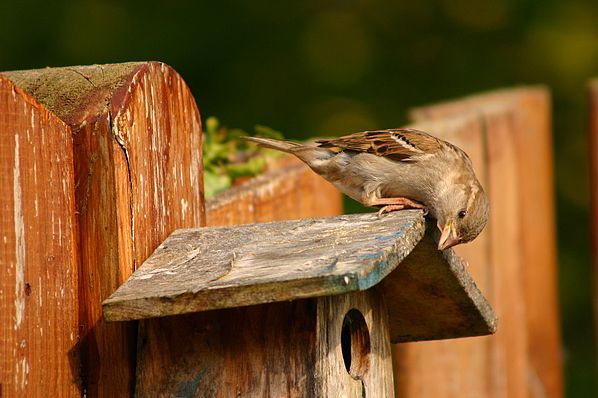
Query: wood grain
[
  {"x": 266, "y": 262},
  {"x": 287, "y": 349},
  {"x": 38, "y": 282},
  {"x": 522, "y": 283},
  {"x": 374, "y": 377},
  {"x": 431, "y": 295},
  {"x": 247, "y": 335},
  {"x": 137, "y": 177},
  {"x": 263, "y": 350}
]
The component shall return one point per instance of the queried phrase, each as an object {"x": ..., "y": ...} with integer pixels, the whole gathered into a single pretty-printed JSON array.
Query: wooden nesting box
[{"x": 294, "y": 308}]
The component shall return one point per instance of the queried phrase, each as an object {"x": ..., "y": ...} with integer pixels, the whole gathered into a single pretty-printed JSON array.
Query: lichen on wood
[{"x": 72, "y": 92}]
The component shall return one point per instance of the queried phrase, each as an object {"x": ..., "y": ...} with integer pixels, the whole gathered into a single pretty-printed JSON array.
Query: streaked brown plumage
[{"x": 401, "y": 168}]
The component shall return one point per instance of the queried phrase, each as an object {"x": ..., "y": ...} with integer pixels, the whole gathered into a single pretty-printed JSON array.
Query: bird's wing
[{"x": 396, "y": 144}]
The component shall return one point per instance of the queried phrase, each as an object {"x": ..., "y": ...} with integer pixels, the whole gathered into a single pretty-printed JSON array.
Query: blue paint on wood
[{"x": 189, "y": 388}]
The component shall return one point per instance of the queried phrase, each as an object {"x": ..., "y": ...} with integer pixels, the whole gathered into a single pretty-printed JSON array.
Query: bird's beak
[{"x": 449, "y": 237}]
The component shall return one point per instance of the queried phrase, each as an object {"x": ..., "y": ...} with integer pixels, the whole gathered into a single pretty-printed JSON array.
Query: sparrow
[{"x": 400, "y": 169}]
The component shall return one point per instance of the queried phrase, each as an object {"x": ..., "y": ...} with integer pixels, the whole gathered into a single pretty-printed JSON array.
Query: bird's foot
[
  {"x": 388, "y": 209},
  {"x": 394, "y": 204}
]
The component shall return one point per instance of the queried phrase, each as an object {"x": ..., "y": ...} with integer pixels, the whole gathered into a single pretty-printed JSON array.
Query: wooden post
[
  {"x": 524, "y": 358},
  {"x": 38, "y": 283},
  {"x": 593, "y": 152},
  {"x": 136, "y": 175}
]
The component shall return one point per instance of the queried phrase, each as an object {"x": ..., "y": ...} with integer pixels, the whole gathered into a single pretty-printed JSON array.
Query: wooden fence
[
  {"x": 508, "y": 136},
  {"x": 593, "y": 143},
  {"x": 289, "y": 190},
  {"x": 100, "y": 164}
]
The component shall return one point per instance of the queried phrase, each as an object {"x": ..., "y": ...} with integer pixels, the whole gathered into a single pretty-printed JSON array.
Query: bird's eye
[{"x": 462, "y": 213}]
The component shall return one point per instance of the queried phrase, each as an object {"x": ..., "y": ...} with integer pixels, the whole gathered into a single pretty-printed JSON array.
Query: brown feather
[{"x": 396, "y": 144}]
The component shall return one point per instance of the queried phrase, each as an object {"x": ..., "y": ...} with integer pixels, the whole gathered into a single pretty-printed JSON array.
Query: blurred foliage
[
  {"x": 227, "y": 157},
  {"x": 315, "y": 68}
]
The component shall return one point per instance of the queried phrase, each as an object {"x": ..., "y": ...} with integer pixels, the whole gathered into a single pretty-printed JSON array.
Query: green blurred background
[{"x": 323, "y": 68}]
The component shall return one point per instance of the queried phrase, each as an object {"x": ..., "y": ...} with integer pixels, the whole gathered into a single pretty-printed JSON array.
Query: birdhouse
[{"x": 294, "y": 308}]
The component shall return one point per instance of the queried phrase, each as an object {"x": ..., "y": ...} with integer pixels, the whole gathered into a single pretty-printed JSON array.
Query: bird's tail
[
  {"x": 314, "y": 156},
  {"x": 285, "y": 146}
]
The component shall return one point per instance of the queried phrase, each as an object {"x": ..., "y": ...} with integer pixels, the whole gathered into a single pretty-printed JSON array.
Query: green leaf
[
  {"x": 212, "y": 124},
  {"x": 250, "y": 168},
  {"x": 227, "y": 157},
  {"x": 215, "y": 183}
]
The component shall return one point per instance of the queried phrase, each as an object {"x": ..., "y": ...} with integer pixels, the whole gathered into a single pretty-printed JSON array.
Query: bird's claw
[{"x": 390, "y": 208}]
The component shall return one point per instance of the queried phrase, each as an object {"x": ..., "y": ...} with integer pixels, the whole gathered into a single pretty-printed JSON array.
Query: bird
[{"x": 397, "y": 169}]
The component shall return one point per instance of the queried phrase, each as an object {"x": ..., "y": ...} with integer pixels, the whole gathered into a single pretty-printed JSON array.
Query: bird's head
[{"x": 462, "y": 214}]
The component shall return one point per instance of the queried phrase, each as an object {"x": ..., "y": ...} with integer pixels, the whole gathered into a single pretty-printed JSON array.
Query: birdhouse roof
[{"x": 429, "y": 294}]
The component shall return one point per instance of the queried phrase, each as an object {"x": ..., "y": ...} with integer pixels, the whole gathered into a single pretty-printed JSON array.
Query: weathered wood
[
  {"x": 524, "y": 358},
  {"x": 263, "y": 350},
  {"x": 280, "y": 261},
  {"x": 38, "y": 281},
  {"x": 137, "y": 163},
  {"x": 217, "y": 341},
  {"x": 265, "y": 262},
  {"x": 438, "y": 285},
  {"x": 287, "y": 349},
  {"x": 370, "y": 364}
]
